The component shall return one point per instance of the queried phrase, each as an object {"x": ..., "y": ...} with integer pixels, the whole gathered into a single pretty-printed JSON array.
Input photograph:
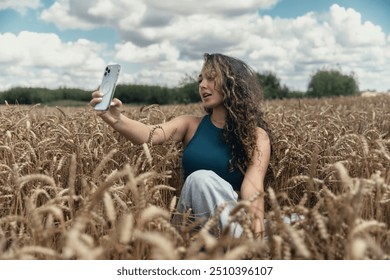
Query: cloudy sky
[{"x": 68, "y": 42}]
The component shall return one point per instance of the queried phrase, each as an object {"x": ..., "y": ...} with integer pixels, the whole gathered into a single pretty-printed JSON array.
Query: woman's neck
[{"x": 218, "y": 117}]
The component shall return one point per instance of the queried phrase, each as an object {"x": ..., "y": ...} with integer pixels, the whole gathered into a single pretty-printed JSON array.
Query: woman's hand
[{"x": 112, "y": 115}]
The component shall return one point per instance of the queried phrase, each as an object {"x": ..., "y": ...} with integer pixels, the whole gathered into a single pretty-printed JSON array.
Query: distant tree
[
  {"x": 332, "y": 83},
  {"x": 29, "y": 95},
  {"x": 187, "y": 91},
  {"x": 18, "y": 95},
  {"x": 73, "y": 94},
  {"x": 296, "y": 94},
  {"x": 271, "y": 86}
]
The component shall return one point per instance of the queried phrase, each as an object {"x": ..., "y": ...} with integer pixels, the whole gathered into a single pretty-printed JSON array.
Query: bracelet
[
  {"x": 259, "y": 235},
  {"x": 152, "y": 132},
  {"x": 116, "y": 121}
]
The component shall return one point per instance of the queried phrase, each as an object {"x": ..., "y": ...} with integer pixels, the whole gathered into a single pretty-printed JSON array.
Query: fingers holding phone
[
  {"x": 115, "y": 108},
  {"x": 96, "y": 98},
  {"x": 116, "y": 104},
  {"x": 114, "y": 111}
]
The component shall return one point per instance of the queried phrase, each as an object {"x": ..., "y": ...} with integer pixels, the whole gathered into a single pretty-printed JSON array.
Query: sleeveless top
[{"x": 207, "y": 151}]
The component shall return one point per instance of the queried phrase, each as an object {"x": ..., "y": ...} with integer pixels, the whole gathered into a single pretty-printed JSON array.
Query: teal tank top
[{"x": 207, "y": 151}]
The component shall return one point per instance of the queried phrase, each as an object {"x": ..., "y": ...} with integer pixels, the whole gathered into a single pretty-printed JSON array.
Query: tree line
[{"x": 323, "y": 83}]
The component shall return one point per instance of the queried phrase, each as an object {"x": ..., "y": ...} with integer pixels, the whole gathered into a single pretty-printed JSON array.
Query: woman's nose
[{"x": 202, "y": 84}]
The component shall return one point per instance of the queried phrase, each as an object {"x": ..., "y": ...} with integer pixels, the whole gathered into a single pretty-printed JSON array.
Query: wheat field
[{"x": 72, "y": 188}]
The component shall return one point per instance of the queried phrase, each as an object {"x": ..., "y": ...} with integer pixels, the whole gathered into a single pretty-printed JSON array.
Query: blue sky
[{"x": 68, "y": 42}]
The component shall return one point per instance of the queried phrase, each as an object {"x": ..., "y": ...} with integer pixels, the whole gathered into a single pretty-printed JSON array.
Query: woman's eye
[{"x": 210, "y": 76}]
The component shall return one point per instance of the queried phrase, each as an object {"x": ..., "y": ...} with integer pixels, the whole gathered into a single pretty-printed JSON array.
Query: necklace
[{"x": 218, "y": 122}]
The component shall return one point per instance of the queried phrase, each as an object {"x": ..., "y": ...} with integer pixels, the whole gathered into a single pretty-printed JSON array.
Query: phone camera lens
[{"x": 108, "y": 70}]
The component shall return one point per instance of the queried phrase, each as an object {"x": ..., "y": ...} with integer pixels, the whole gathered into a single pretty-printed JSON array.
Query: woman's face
[{"x": 209, "y": 89}]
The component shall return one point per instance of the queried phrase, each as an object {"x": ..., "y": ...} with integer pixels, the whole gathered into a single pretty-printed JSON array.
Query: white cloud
[
  {"x": 21, "y": 5},
  {"x": 89, "y": 14},
  {"x": 215, "y": 7},
  {"x": 122, "y": 11},
  {"x": 59, "y": 13},
  {"x": 93, "y": 13},
  {"x": 11, "y": 51},
  {"x": 152, "y": 53},
  {"x": 294, "y": 48},
  {"x": 42, "y": 59},
  {"x": 165, "y": 73},
  {"x": 350, "y": 30},
  {"x": 161, "y": 41}
]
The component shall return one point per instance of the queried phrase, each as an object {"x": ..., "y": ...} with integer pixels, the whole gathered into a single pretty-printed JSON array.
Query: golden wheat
[{"x": 72, "y": 188}]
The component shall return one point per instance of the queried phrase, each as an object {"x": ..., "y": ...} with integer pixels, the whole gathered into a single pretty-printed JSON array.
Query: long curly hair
[{"x": 242, "y": 96}]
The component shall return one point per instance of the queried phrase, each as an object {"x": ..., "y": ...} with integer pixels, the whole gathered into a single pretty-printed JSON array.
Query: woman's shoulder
[
  {"x": 262, "y": 134},
  {"x": 192, "y": 123},
  {"x": 188, "y": 122},
  {"x": 263, "y": 139},
  {"x": 190, "y": 119}
]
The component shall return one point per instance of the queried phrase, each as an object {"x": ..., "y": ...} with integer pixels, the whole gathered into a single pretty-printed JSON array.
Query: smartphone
[{"x": 107, "y": 86}]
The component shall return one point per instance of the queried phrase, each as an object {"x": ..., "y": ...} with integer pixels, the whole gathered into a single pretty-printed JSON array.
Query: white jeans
[{"x": 203, "y": 192}]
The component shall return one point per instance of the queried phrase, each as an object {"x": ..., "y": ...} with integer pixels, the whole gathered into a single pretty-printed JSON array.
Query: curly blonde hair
[{"x": 242, "y": 96}]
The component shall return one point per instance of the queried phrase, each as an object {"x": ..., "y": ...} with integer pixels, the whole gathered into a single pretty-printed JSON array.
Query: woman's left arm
[{"x": 253, "y": 182}]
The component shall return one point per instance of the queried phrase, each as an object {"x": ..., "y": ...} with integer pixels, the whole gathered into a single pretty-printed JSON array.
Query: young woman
[{"x": 226, "y": 152}]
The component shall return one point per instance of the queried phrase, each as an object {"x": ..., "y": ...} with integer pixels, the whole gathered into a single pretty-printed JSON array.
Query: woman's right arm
[{"x": 138, "y": 132}]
